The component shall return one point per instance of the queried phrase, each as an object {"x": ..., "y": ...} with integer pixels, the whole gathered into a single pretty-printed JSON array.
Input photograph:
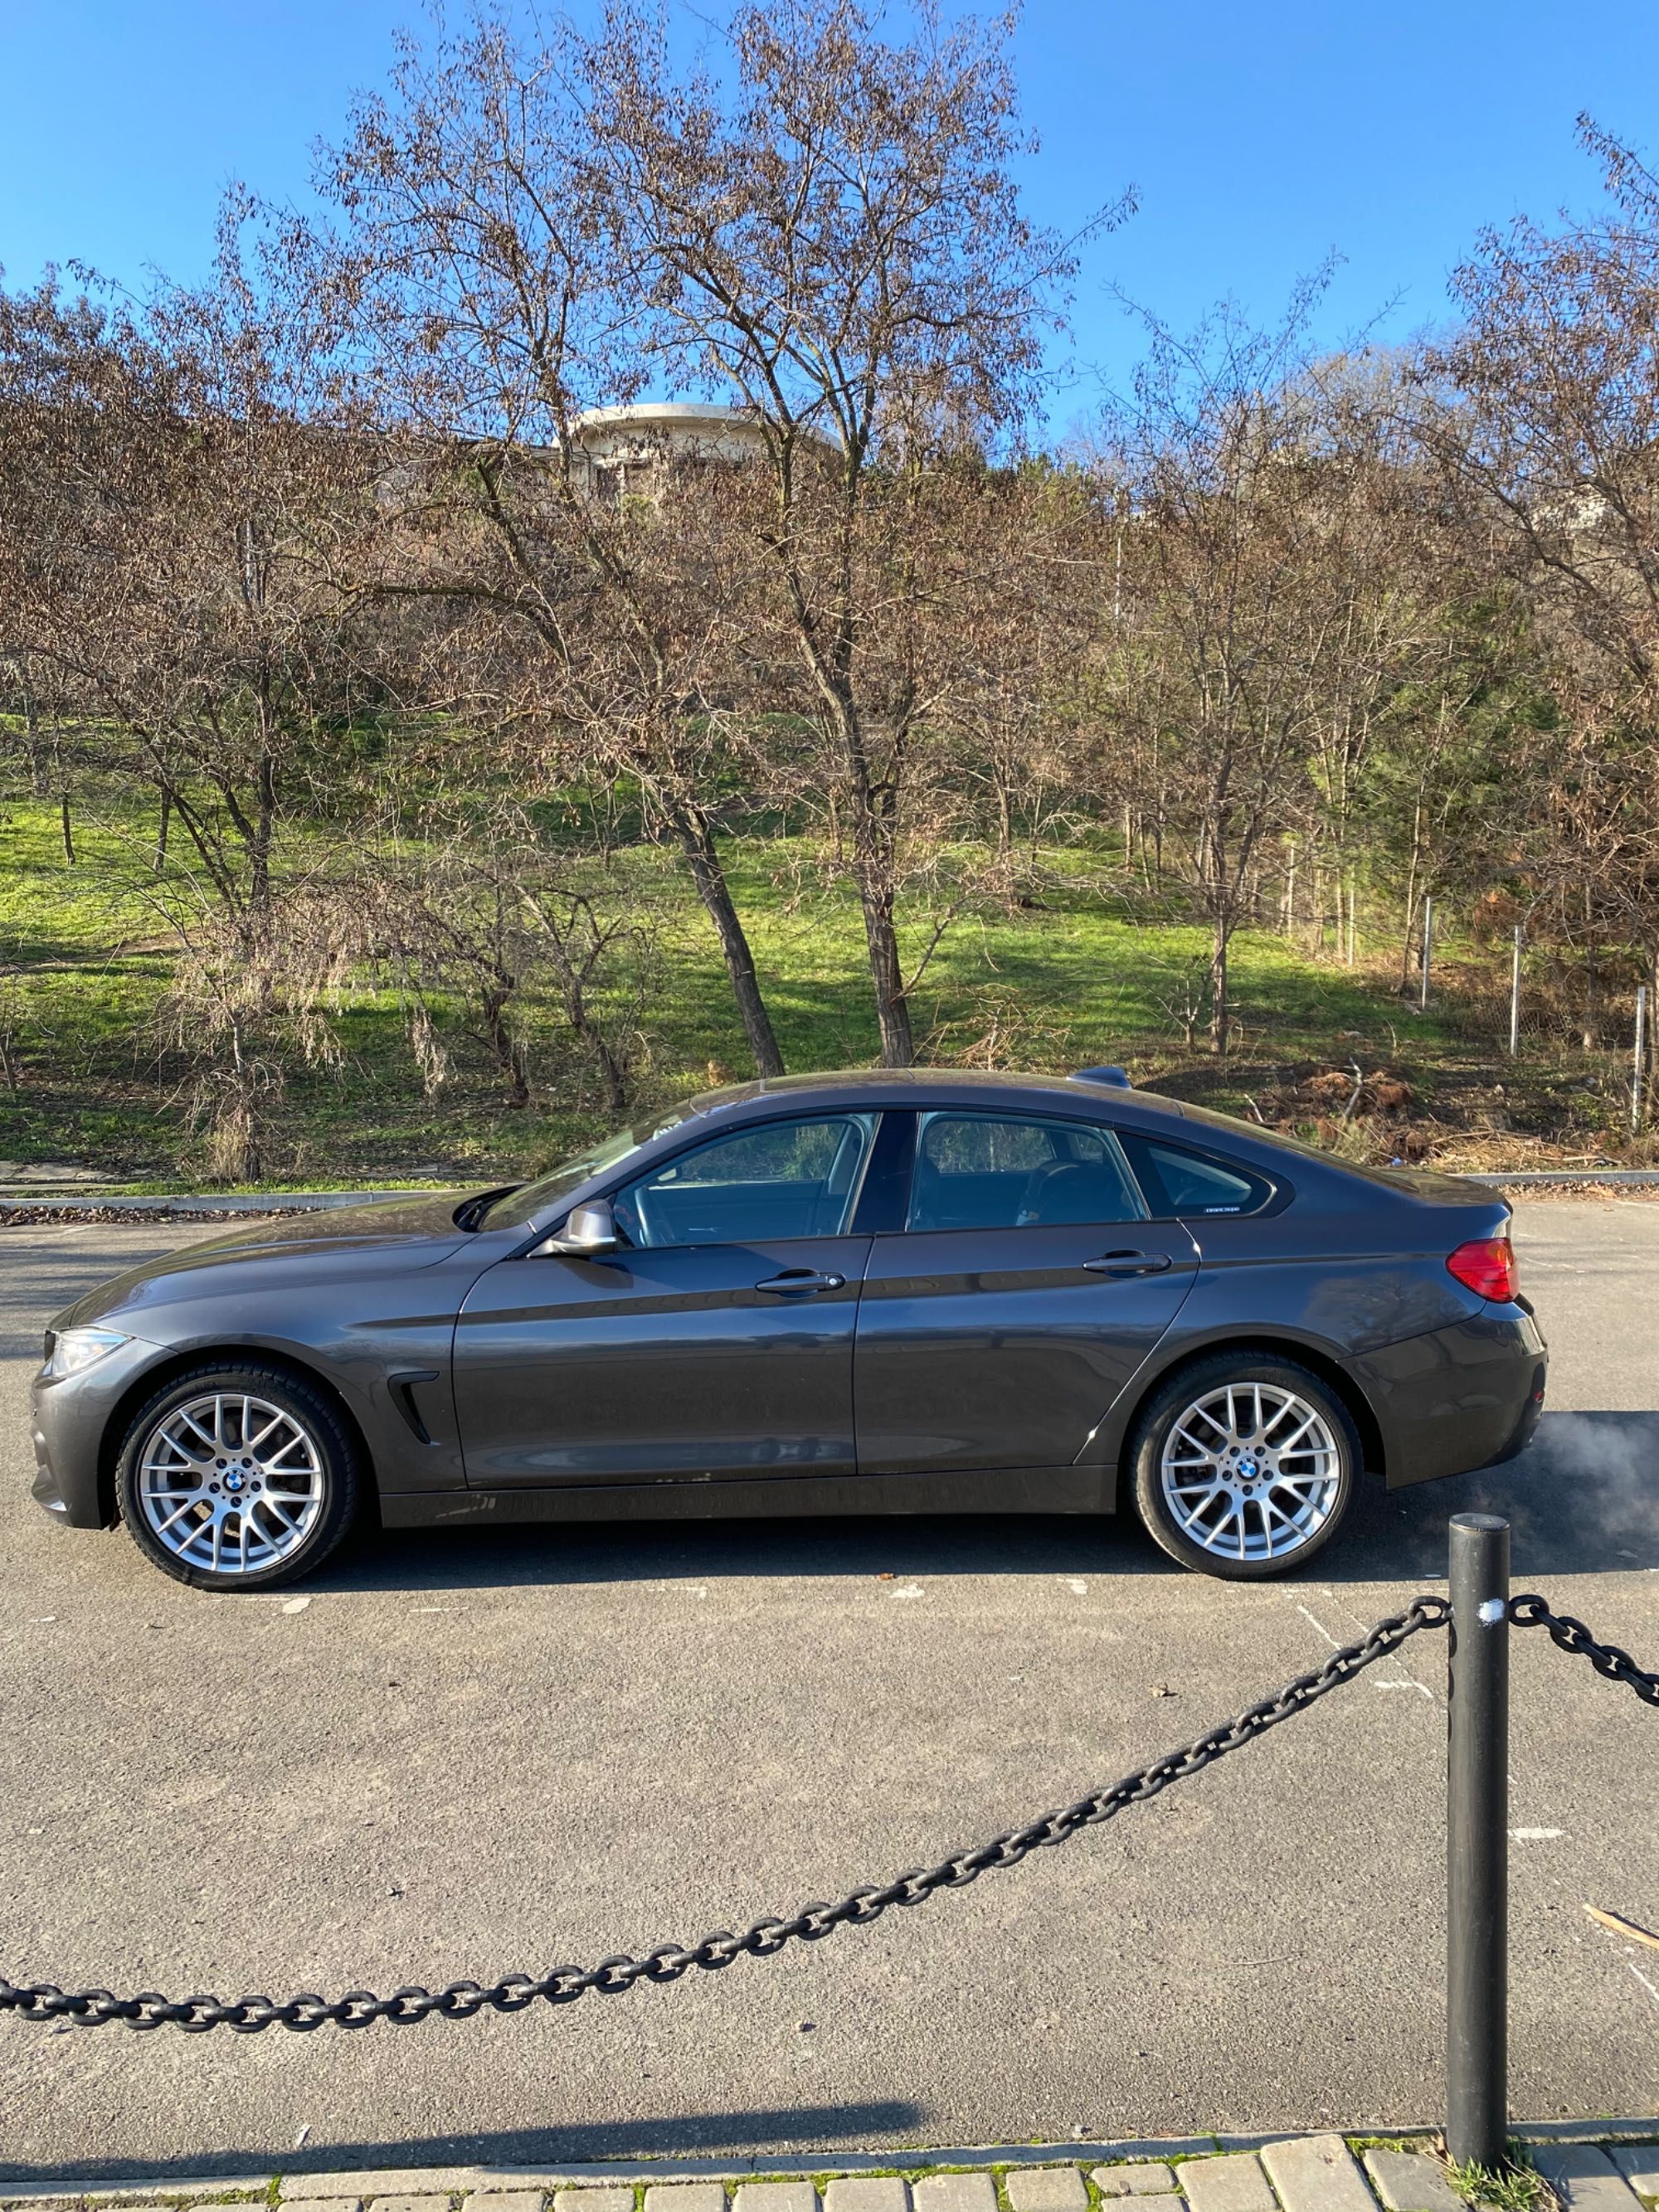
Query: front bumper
[
  {"x": 1458, "y": 1398},
  {"x": 69, "y": 1418}
]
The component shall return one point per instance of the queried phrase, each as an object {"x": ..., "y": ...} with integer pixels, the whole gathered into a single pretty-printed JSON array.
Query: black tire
[
  {"x": 330, "y": 1474},
  {"x": 1339, "y": 1468}
]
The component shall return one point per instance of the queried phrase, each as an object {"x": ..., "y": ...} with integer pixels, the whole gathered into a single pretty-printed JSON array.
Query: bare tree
[
  {"x": 835, "y": 240},
  {"x": 487, "y": 294},
  {"x": 169, "y": 527},
  {"x": 1544, "y": 412},
  {"x": 1254, "y": 596}
]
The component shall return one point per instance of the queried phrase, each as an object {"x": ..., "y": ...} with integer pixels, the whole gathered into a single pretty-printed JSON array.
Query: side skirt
[{"x": 978, "y": 1489}]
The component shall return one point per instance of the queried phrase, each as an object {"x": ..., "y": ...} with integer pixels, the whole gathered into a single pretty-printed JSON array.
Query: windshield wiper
[{"x": 469, "y": 1213}]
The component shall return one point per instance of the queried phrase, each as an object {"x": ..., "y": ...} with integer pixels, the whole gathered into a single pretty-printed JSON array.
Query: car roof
[
  {"x": 950, "y": 1086},
  {"x": 1097, "y": 1094}
]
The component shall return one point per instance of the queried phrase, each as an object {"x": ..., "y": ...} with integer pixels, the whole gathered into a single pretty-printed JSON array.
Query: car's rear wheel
[
  {"x": 237, "y": 1478},
  {"x": 1244, "y": 1466}
]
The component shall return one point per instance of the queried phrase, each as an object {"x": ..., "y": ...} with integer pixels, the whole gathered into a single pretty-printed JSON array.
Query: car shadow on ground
[
  {"x": 1583, "y": 1499},
  {"x": 682, "y": 2135}
]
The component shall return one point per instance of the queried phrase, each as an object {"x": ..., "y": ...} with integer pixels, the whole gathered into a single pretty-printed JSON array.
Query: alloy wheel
[
  {"x": 1250, "y": 1471},
  {"x": 231, "y": 1483}
]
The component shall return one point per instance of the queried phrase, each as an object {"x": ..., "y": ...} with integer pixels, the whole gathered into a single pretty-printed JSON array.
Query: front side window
[
  {"x": 995, "y": 1171},
  {"x": 526, "y": 1199},
  {"x": 784, "y": 1179}
]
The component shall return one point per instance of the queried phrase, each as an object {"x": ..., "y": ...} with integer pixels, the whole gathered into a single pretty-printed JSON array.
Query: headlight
[{"x": 78, "y": 1348}]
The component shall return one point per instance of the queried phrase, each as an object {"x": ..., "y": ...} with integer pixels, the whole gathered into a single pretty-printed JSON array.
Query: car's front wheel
[
  {"x": 1244, "y": 1466},
  {"x": 237, "y": 1478}
]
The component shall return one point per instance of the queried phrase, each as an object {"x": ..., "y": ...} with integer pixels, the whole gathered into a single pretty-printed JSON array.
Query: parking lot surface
[{"x": 463, "y": 1755}]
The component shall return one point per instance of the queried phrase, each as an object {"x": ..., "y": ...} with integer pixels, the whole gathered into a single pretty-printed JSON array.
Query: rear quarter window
[{"x": 1178, "y": 1182}]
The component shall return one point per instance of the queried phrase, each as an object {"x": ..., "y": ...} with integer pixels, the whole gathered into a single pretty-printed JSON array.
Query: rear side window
[
  {"x": 1006, "y": 1171},
  {"x": 1177, "y": 1181}
]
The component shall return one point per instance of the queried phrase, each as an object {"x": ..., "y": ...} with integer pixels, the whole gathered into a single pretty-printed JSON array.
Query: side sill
[{"x": 976, "y": 1490}]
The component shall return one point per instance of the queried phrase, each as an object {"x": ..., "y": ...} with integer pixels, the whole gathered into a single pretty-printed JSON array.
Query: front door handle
[
  {"x": 800, "y": 1283},
  {"x": 1130, "y": 1263}
]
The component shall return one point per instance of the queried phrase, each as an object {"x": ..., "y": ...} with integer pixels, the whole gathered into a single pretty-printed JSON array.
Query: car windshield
[{"x": 531, "y": 1198}]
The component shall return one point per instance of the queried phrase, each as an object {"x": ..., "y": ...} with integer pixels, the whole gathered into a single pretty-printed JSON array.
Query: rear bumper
[{"x": 1458, "y": 1398}]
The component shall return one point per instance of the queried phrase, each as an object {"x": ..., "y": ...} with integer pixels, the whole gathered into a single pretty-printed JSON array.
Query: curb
[
  {"x": 20, "y": 1205},
  {"x": 438, "y": 2186},
  {"x": 23, "y": 1203},
  {"x": 1552, "y": 1178}
]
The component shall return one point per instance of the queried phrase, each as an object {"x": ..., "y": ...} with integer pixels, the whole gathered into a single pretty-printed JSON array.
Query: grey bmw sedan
[{"x": 879, "y": 1292}]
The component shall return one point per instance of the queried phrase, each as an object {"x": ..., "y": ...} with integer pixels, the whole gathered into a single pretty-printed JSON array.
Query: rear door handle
[
  {"x": 1130, "y": 1263},
  {"x": 800, "y": 1283}
]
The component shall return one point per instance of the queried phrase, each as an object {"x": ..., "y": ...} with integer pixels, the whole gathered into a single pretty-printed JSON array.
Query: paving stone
[
  {"x": 1164, "y": 2147},
  {"x": 1584, "y": 2178},
  {"x": 1316, "y": 2174},
  {"x": 955, "y": 2192},
  {"x": 867, "y": 2193},
  {"x": 424, "y": 2182},
  {"x": 1227, "y": 2185},
  {"x": 1640, "y": 2167},
  {"x": 355, "y": 2203},
  {"x": 496, "y": 2200},
  {"x": 1412, "y": 2181},
  {"x": 388, "y": 2181},
  {"x": 684, "y": 2196},
  {"x": 605, "y": 2198},
  {"x": 1152, "y": 2180},
  {"x": 1046, "y": 2189},
  {"x": 776, "y": 2196},
  {"x": 433, "y": 2203}
]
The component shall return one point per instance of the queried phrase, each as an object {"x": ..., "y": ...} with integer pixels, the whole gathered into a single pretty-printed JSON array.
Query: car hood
[{"x": 420, "y": 1231}]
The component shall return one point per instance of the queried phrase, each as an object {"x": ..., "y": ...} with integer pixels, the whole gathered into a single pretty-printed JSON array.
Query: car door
[
  {"x": 1024, "y": 1290},
  {"x": 716, "y": 1344}
]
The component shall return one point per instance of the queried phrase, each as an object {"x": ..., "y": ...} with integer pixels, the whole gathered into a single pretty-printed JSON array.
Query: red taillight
[{"x": 1486, "y": 1266}]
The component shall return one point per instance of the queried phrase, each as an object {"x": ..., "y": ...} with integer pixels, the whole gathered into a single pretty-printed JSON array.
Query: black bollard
[{"x": 1477, "y": 1843}]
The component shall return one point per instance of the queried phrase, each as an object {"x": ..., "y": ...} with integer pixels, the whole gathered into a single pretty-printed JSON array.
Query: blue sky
[{"x": 1261, "y": 137}]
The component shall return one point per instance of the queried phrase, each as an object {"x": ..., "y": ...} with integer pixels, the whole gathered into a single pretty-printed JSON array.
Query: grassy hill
[{"x": 1076, "y": 978}]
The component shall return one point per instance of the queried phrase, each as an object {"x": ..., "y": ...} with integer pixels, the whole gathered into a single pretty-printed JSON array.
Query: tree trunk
[
  {"x": 264, "y": 826},
  {"x": 39, "y": 772},
  {"x": 161, "y": 860},
  {"x": 1220, "y": 1011},
  {"x": 69, "y": 833},
  {"x": 508, "y": 1052},
  {"x": 892, "y": 1009},
  {"x": 697, "y": 842}
]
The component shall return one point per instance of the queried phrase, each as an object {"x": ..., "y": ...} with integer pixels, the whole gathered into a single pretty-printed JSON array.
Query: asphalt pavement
[{"x": 463, "y": 1754}]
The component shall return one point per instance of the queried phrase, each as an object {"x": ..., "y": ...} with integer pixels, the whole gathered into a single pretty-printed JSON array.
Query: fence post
[
  {"x": 1637, "y": 1058},
  {"x": 1428, "y": 948},
  {"x": 1514, "y": 997},
  {"x": 1477, "y": 1843}
]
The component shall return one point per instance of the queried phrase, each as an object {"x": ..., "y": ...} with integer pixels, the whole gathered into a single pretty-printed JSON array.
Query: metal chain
[
  {"x": 612, "y": 1976},
  {"x": 1531, "y": 1611}
]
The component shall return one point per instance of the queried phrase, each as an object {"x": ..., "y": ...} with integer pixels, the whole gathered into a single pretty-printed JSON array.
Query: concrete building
[{"x": 628, "y": 449}]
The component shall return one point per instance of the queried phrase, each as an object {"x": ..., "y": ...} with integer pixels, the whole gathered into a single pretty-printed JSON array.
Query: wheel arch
[
  {"x": 166, "y": 1371},
  {"x": 1318, "y": 1361}
]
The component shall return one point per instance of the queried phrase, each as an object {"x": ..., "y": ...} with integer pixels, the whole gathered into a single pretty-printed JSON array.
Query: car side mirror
[{"x": 590, "y": 1231}]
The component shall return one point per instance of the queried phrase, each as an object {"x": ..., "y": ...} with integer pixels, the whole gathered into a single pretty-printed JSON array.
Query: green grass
[
  {"x": 1076, "y": 978},
  {"x": 1518, "y": 2187}
]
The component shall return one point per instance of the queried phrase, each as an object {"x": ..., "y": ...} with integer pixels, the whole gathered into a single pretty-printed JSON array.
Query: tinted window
[
  {"x": 991, "y": 1171},
  {"x": 523, "y": 1203},
  {"x": 1178, "y": 1182},
  {"x": 755, "y": 1186}
]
